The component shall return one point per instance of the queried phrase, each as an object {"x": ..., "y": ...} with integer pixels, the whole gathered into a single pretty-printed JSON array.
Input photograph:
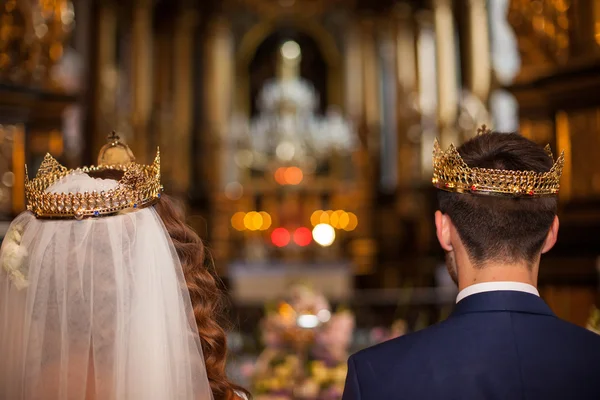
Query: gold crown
[
  {"x": 452, "y": 174},
  {"x": 139, "y": 187}
]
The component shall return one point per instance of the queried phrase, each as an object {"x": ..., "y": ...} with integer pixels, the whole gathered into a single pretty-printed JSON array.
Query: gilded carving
[
  {"x": 32, "y": 37},
  {"x": 542, "y": 30},
  {"x": 585, "y": 173},
  {"x": 303, "y": 8},
  {"x": 12, "y": 153}
]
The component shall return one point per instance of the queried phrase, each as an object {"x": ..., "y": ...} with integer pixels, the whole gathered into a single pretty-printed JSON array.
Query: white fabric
[
  {"x": 96, "y": 309},
  {"x": 494, "y": 286}
]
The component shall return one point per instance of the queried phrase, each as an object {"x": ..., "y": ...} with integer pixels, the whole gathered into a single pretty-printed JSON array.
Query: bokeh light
[
  {"x": 334, "y": 218},
  {"x": 324, "y": 234},
  {"x": 266, "y": 221},
  {"x": 343, "y": 221},
  {"x": 338, "y": 219},
  {"x": 280, "y": 237},
  {"x": 352, "y": 222},
  {"x": 324, "y": 218},
  {"x": 302, "y": 236},
  {"x": 293, "y": 175},
  {"x": 280, "y": 176},
  {"x": 290, "y": 50},
  {"x": 237, "y": 221},
  {"x": 252, "y": 221},
  {"x": 307, "y": 321},
  {"x": 315, "y": 218},
  {"x": 288, "y": 175},
  {"x": 234, "y": 191},
  {"x": 324, "y": 315}
]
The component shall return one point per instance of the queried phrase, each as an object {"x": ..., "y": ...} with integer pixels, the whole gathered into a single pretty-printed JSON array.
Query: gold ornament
[
  {"x": 115, "y": 152},
  {"x": 139, "y": 187},
  {"x": 452, "y": 174},
  {"x": 483, "y": 129}
]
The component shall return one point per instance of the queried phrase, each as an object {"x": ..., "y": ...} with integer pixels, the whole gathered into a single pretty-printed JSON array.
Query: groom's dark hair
[{"x": 500, "y": 228}]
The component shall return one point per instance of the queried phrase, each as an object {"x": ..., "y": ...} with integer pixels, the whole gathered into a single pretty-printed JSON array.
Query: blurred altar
[{"x": 298, "y": 134}]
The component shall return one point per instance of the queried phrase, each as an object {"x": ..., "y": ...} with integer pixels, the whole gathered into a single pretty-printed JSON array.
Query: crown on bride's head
[
  {"x": 139, "y": 187},
  {"x": 452, "y": 174}
]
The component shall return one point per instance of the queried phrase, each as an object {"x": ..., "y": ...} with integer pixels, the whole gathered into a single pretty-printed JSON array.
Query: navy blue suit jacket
[{"x": 495, "y": 345}]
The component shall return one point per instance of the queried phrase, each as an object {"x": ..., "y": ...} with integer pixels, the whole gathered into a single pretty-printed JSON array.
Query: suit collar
[
  {"x": 493, "y": 286},
  {"x": 502, "y": 300}
]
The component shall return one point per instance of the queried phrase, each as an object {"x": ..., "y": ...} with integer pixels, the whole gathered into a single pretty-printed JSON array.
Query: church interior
[{"x": 298, "y": 134}]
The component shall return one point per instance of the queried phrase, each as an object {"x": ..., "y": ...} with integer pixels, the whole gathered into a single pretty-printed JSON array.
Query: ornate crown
[
  {"x": 451, "y": 173},
  {"x": 139, "y": 187}
]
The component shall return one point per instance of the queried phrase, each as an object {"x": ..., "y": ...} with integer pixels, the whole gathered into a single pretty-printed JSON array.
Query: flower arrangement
[
  {"x": 306, "y": 348},
  {"x": 13, "y": 256},
  {"x": 380, "y": 334},
  {"x": 593, "y": 323}
]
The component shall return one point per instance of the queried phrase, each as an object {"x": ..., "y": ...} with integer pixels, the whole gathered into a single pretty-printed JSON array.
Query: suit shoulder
[
  {"x": 396, "y": 357},
  {"x": 551, "y": 335},
  {"x": 581, "y": 333},
  {"x": 392, "y": 347}
]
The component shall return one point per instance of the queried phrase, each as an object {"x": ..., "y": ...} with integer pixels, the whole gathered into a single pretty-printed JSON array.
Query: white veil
[{"x": 96, "y": 309}]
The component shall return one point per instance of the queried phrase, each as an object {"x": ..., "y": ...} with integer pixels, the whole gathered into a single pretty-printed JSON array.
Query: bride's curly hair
[{"x": 208, "y": 299}]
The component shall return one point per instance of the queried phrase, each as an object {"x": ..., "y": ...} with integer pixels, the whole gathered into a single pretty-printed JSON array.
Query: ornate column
[
  {"x": 219, "y": 75},
  {"x": 363, "y": 248},
  {"x": 370, "y": 79},
  {"x": 563, "y": 143},
  {"x": 410, "y": 204},
  {"x": 408, "y": 115},
  {"x": 353, "y": 65},
  {"x": 163, "y": 107},
  {"x": 428, "y": 88},
  {"x": 405, "y": 48},
  {"x": 182, "y": 70},
  {"x": 141, "y": 77},
  {"x": 446, "y": 70},
  {"x": 218, "y": 85},
  {"x": 389, "y": 106},
  {"x": 106, "y": 77},
  {"x": 596, "y": 10},
  {"x": 18, "y": 162},
  {"x": 479, "y": 49}
]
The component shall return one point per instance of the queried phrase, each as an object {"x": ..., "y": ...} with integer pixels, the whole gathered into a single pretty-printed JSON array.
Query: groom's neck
[{"x": 522, "y": 272}]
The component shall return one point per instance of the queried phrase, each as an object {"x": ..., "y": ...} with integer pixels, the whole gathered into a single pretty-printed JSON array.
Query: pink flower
[
  {"x": 335, "y": 336},
  {"x": 378, "y": 335},
  {"x": 247, "y": 369}
]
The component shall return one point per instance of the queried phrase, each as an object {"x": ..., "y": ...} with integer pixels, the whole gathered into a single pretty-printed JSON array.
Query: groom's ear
[
  {"x": 551, "y": 237},
  {"x": 442, "y": 230}
]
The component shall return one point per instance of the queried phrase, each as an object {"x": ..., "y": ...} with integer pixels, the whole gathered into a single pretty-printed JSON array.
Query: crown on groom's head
[{"x": 452, "y": 174}]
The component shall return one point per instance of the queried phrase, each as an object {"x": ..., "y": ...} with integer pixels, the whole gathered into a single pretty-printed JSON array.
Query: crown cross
[
  {"x": 113, "y": 137},
  {"x": 483, "y": 129}
]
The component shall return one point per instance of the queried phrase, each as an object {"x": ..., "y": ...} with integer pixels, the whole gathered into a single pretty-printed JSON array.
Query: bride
[{"x": 105, "y": 293}]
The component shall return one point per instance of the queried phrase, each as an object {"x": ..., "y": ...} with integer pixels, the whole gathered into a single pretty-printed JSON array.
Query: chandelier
[{"x": 287, "y": 129}]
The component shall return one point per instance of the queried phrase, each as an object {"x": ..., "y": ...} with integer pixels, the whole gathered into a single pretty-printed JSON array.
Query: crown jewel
[
  {"x": 139, "y": 187},
  {"x": 451, "y": 173}
]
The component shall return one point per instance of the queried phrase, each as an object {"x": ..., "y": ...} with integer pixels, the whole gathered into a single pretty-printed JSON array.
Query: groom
[{"x": 497, "y": 215}]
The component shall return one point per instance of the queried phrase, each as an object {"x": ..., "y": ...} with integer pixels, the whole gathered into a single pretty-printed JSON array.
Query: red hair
[{"x": 208, "y": 300}]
